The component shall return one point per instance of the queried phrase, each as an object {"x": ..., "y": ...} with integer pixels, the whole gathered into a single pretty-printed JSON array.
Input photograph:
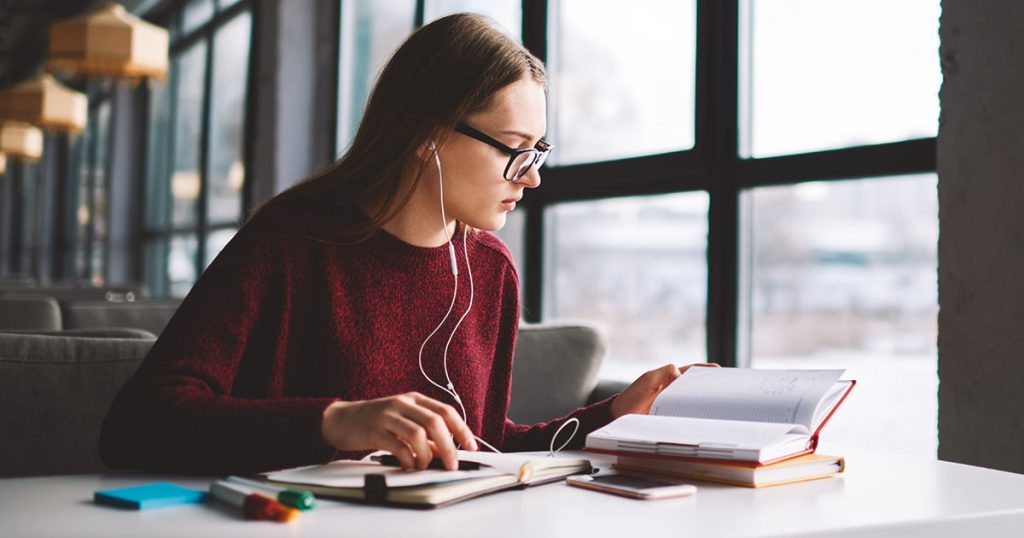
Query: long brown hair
[{"x": 443, "y": 72}]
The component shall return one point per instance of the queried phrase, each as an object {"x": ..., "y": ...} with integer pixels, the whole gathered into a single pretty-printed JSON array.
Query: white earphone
[{"x": 449, "y": 387}]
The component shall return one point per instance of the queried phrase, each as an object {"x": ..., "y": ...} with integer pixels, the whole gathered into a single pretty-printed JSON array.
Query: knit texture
[{"x": 286, "y": 321}]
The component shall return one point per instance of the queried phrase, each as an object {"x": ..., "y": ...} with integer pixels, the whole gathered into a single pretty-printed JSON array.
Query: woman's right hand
[{"x": 411, "y": 426}]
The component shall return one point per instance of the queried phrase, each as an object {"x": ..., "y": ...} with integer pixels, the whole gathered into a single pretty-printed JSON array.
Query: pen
[
  {"x": 303, "y": 500},
  {"x": 253, "y": 505},
  {"x": 436, "y": 463}
]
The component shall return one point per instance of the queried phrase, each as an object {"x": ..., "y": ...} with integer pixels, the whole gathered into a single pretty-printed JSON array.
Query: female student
[{"x": 368, "y": 307}]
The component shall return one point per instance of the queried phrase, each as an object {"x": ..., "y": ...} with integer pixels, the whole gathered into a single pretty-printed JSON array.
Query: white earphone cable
[{"x": 450, "y": 388}]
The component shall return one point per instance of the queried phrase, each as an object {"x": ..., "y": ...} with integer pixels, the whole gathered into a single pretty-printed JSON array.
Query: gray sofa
[{"x": 55, "y": 388}]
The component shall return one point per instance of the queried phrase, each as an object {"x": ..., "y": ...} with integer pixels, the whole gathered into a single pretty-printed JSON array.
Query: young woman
[{"x": 367, "y": 307}]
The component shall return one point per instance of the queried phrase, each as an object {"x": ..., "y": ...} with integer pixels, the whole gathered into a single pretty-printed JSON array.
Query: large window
[
  {"x": 749, "y": 182},
  {"x": 196, "y": 165},
  {"x": 84, "y": 236}
]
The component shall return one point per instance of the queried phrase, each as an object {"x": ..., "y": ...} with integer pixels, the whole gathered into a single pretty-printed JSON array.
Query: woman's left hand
[{"x": 638, "y": 396}]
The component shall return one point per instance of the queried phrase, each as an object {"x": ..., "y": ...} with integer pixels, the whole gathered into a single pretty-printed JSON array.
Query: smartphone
[{"x": 632, "y": 486}]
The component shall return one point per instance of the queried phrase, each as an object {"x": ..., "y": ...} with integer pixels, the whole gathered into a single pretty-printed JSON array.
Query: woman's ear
[{"x": 427, "y": 150}]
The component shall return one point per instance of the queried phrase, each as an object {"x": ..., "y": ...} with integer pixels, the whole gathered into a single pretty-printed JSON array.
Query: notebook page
[{"x": 783, "y": 396}]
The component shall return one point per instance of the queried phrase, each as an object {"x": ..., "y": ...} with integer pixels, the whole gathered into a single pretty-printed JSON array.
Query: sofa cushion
[
  {"x": 29, "y": 312},
  {"x": 54, "y": 393},
  {"x": 149, "y": 315},
  {"x": 554, "y": 370}
]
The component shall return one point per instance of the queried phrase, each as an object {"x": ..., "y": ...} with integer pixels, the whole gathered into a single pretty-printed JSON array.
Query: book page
[
  {"x": 783, "y": 396},
  {"x": 352, "y": 474}
]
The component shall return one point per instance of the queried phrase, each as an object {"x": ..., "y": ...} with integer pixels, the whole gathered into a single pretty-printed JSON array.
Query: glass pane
[
  {"x": 77, "y": 146},
  {"x": 514, "y": 235},
  {"x": 196, "y": 14},
  {"x": 370, "y": 33},
  {"x": 181, "y": 264},
  {"x": 158, "y": 173},
  {"x": 215, "y": 242},
  {"x": 844, "y": 275},
  {"x": 83, "y": 216},
  {"x": 156, "y": 266},
  {"x": 622, "y": 79},
  {"x": 637, "y": 267},
  {"x": 508, "y": 13},
  {"x": 872, "y": 74},
  {"x": 227, "y": 120},
  {"x": 191, "y": 67},
  {"x": 100, "y": 183}
]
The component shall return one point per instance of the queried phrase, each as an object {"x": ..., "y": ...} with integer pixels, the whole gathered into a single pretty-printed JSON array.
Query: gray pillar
[
  {"x": 981, "y": 234},
  {"x": 293, "y": 120},
  {"x": 128, "y": 154}
]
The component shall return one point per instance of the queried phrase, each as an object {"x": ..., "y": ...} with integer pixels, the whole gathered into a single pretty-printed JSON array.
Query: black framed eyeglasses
[{"x": 519, "y": 160}]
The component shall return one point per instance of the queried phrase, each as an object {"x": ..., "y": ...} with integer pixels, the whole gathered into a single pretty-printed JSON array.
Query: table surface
[{"x": 879, "y": 495}]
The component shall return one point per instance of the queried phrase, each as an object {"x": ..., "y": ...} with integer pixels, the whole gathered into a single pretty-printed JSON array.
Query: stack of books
[{"x": 744, "y": 427}]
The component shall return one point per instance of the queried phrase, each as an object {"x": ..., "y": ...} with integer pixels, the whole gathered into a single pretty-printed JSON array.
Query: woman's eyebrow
[{"x": 520, "y": 134}]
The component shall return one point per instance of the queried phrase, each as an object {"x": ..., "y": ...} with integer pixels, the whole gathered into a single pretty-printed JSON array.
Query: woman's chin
[{"x": 492, "y": 223}]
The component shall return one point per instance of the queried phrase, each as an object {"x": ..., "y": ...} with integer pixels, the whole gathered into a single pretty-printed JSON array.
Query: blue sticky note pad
[{"x": 153, "y": 495}]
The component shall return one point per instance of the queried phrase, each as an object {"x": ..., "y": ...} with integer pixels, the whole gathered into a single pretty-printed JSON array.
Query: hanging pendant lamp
[
  {"x": 44, "y": 102},
  {"x": 21, "y": 140},
  {"x": 108, "y": 43}
]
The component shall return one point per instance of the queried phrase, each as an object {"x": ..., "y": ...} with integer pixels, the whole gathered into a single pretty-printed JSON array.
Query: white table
[{"x": 879, "y": 495}]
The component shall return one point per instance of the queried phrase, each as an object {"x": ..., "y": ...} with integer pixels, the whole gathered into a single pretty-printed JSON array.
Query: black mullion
[
  {"x": 533, "y": 295},
  {"x": 204, "y": 158},
  {"x": 678, "y": 171},
  {"x": 897, "y": 158},
  {"x": 248, "y": 133},
  {"x": 535, "y": 28},
  {"x": 718, "y": 64},
  {"x": 419, "y": 17},
  {"x": 535, "y": 39}
]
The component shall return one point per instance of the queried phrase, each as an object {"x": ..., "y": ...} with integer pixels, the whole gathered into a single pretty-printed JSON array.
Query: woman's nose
[{"x": 531, "y": 179}]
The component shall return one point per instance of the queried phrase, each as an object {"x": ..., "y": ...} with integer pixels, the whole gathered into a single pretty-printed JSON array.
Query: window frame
[
  {"x": 713, "y": 165},
  {"x": 201, "y": 227}
]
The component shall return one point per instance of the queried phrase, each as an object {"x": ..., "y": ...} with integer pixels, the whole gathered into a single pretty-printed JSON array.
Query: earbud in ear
[{"x": 431, "y": 145}]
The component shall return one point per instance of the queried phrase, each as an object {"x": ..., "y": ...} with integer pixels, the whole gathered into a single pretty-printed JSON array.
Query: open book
[
  {"x": 730, "y": 414},
  {"x": 372, "y": 482}
]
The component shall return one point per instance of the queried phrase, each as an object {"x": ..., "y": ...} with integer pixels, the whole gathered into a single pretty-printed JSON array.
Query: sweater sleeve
[
  {"x": 522, "y": 437},
  {"x": 179, "y": 412}
]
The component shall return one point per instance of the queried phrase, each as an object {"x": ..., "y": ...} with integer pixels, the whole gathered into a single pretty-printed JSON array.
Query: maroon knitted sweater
[{"x": 286, "y": 321}]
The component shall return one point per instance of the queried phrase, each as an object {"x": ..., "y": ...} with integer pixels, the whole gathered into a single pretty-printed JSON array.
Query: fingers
[
  {"x": 388, "y": 441},
  {"x": 434, "y": 429},
  {"x": 457, "y": 426},
  {"x": 660, "y": 377},
  {"x": 413, "y": 435},
  {"x": 683, "y": 369}
]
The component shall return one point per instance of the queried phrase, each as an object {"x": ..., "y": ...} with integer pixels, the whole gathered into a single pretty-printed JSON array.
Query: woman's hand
[
  {"x": 638, "y": 396},
  {"x": 411, "y": 426}
]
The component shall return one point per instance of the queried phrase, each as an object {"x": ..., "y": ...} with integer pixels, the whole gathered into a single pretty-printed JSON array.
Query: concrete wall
[{"x": 981, "y": 234}]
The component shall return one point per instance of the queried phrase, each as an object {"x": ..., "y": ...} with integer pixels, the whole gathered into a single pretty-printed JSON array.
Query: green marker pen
[{"x": 303, "y": 500}]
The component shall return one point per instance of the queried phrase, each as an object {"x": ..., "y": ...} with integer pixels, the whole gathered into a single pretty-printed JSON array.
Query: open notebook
[
  {"x": 730, "y": 414},
  {"x": 369, "y": 481}
]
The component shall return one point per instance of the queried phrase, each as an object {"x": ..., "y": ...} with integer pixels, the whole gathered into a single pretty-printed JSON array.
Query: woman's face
[{"x": 475, "y": 190}]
